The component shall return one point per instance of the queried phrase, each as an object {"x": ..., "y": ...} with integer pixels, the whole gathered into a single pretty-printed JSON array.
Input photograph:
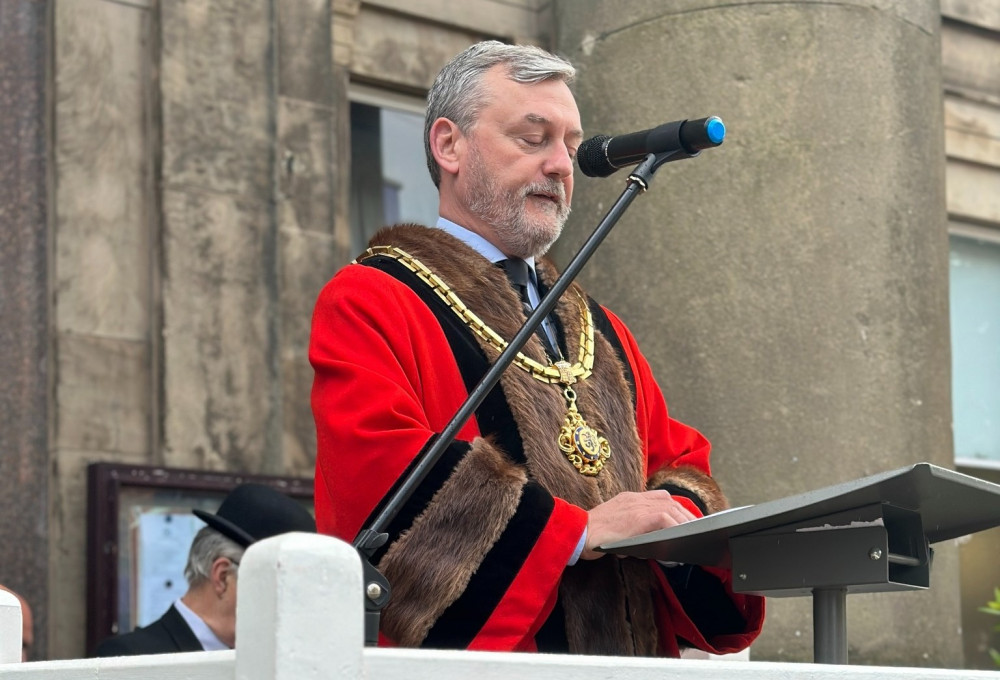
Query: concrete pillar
[
  {"x": 312, "y": 142},
  {"x": 219, "y": 291},
  {"x": 300, "y": 612},
  {"x": 24, "y": 303},
  {"x": 103, "y": 269},
  {"x": 251, "y": 102},
  {"x": 790, "y": 287}
]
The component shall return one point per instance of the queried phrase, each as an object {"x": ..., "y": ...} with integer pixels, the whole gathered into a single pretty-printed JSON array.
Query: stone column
[
  {"x": 313, "y": 135},
  {"x": 103, "y": 271},
  {"x": 220, "y": 287},
  {"x": 24, "y": 304},
  {"x": 790, "y": 287}
]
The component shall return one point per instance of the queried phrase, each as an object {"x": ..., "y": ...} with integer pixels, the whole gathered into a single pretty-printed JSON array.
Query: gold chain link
[{"x": 560, "y": 372}]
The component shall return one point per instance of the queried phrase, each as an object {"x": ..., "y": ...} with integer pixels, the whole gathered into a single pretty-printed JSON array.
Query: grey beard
[{"x": 505, "y": 211}]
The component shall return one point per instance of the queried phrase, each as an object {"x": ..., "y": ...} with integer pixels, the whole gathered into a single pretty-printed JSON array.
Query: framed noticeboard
[{"x": 139, "y": 531}]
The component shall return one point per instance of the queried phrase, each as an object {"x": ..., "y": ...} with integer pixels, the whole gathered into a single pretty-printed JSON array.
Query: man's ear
[
  {"x": 447, "y": 144},
  {"x": 220, "y": 575}
]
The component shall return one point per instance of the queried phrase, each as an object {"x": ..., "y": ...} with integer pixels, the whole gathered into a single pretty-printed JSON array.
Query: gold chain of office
[{"x": 583, "y": 446}]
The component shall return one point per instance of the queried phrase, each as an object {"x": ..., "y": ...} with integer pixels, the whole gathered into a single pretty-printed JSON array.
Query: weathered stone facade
[
  {"x": 180, "y": 195},
  {"x": 970, "y": 61},
  {"x": 25, "y": 371},
  {"x": 198, "y": 193},
  {"x": 791, "y": 285}
]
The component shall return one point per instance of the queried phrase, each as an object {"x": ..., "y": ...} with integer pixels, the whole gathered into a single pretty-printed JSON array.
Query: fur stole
[{"x": 607, "y": 602}]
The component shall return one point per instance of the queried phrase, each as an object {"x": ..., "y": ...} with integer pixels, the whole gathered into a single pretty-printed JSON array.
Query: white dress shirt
[{"x": 210, "y": 642}]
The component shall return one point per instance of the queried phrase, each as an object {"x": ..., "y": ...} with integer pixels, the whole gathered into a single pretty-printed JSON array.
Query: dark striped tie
[{"x": 517, "y": 273}]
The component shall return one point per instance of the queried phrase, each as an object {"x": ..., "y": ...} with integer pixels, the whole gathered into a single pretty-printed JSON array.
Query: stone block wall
[
  {"x": 25, "y": 369},
  {"x": 177, "y": 183},
  {"x": 789, "y": 287},
  {"x": 200, "y": 190},
  {"x": 970, "y": 55},
  {"x": 195, "y": 221}
]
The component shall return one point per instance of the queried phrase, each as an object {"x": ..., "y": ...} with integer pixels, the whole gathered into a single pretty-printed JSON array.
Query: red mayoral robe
[{"x": 478, "y": 557}]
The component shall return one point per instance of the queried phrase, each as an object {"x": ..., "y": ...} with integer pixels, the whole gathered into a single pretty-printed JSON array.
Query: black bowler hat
[{"x": 252, "y": 512}]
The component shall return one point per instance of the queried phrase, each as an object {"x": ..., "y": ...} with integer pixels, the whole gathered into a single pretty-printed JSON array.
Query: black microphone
[{"x": 602, "y": 155}]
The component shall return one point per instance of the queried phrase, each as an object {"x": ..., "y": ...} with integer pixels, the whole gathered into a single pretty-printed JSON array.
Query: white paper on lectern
[
  {"x": 851, "y": 525},
  {"x": 714, "y": 514}
]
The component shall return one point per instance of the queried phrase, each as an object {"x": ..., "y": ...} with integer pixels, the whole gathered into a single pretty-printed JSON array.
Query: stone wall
[
  {"x": 195, "y": 156},
  {"x": 970, "y": 49},
  {"x": 789, "y": 287},
  {"x": 175, "y": 193},
  {"x": 25, "y": 370},
  {"x": 201, "y": 152}
]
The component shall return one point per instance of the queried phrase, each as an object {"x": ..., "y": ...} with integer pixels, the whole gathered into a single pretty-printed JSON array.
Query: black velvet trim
[
  {"x": 551, "y": 638},
  {"x": 461, "y": 622},
  {"x": 493, "y": 415},
  {"x": 705, "y": 601},
  {"x": 422, "y": 494},
  {"x": 603, "y": 325},
  {"x": 686, "y": 493}
]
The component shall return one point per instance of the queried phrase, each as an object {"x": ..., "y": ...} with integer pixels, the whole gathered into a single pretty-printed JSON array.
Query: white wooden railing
[{"x": 300, "y": 617}]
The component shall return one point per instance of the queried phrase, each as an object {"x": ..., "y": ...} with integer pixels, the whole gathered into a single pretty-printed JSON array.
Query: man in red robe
[{"x": 573, "y": 449}]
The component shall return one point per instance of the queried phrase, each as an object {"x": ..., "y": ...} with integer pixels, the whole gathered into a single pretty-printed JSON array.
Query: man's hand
[{"x": 630, "y": 514}]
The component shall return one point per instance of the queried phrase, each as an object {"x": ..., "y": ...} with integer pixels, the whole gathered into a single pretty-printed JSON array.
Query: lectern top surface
[{"x": 950, "y": 504}]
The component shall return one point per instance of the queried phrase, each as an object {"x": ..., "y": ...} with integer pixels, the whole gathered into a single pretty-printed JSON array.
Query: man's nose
[{"x": 559, "y": 163}]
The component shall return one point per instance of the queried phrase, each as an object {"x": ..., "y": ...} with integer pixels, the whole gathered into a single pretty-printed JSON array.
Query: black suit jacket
[{"x": 170, "y": 633}]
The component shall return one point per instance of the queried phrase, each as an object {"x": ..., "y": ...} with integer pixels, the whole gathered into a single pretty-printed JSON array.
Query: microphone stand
[{"x": 372, "y": 537}]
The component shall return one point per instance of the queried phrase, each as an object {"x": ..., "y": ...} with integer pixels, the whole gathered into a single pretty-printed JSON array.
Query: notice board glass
[{"x": 139, "y": 530}]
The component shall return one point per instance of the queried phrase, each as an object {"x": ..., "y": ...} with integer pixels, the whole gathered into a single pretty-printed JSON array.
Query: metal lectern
[{"x": 869, "y": 535}]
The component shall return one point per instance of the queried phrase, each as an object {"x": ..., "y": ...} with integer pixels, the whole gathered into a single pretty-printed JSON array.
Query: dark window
[{"x": 389, "y": 179}]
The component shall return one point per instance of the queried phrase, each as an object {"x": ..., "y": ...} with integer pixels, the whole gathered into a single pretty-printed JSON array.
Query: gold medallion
[{"x": 584, "y": 447}]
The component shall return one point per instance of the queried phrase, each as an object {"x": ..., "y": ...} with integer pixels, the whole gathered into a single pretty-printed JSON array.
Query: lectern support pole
[{"x": 830, "y": 625}]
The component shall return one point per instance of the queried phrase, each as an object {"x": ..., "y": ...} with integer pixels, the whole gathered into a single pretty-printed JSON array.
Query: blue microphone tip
[{"x": 715, "y": 129}]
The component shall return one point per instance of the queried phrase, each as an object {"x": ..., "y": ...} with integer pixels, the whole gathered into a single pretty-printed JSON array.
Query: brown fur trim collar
[
  {"x": 539, "y": 409},
  {"x": 608, "y": 603}
]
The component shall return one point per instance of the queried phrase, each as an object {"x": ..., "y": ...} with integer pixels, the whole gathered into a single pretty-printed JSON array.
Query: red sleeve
[
  {"x": 385, "y": 383},
  {"x": 676, "y": 625},
  {"x": 666, "y": 442},
  {"x": 369, "y": 392},
  {"x": 670, "y": 443}
]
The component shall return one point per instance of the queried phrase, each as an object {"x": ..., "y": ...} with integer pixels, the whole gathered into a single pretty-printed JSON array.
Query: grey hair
[
  {"x": 209, "y": 545},
  {"x": 458, "y": 93}
]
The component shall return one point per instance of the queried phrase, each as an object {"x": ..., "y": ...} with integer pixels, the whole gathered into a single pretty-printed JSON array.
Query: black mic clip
[{"x": 376, "y": 585}]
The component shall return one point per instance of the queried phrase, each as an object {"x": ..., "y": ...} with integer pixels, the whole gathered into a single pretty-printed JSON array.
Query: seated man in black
[{"x": 205, "y": 617}]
